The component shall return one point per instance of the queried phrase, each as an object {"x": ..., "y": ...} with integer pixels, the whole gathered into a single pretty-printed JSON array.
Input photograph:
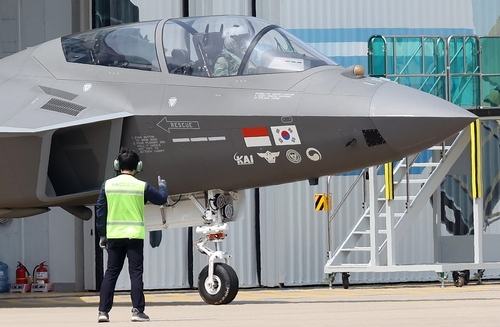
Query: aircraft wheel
[
  {"x": 225, "y": 286},
  {"x": 467, "y": 277},
  {"x": 458, "y": 278},
  {"x": 345, "y": 280}
]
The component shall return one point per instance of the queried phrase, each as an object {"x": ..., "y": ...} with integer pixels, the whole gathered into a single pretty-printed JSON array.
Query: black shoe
[
  {"x": 139, "y": 316},
  {"x": 103, "y": 317}
]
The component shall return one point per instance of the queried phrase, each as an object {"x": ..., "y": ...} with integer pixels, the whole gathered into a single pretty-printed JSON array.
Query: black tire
[
  {"x": 458, "y": 279},
  {"x": 467, "y": 277},
  {"x": 345, "y": 280},
  {"x": 225, "y": 288}
]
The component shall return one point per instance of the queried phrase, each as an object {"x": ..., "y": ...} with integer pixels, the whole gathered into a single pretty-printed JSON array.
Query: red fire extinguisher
[
  {"x": 41, "y": 274},
  {"x": 22, "y": 274}
]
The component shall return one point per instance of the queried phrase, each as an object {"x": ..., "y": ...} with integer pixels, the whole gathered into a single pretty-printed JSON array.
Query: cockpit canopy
[{"x": 198, "y": 46}]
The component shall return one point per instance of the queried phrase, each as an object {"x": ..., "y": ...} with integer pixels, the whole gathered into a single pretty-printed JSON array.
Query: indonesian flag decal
[
  {"x": 285, "y": 135},
  {"x": 256, "y": 136}
]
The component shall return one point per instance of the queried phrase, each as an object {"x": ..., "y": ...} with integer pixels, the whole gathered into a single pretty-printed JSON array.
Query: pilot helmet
[{"x": 236, "y": 38}]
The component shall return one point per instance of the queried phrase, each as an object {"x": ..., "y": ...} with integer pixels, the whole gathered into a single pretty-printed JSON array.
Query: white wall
[{"x": 54, "y": 237}]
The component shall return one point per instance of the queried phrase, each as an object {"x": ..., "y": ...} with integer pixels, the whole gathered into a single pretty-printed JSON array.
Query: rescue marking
[
  {"x": 181, "y": 124},
  {"x": 198, "y": 139},
  {"x": 148, "y": 144},
  {"x": 216, "y": 138}
]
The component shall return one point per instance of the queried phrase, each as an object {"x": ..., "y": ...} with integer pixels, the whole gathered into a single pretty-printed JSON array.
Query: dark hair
[{"x": 128, "y": 159}]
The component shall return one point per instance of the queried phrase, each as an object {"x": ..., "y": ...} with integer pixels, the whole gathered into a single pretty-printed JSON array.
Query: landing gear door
[{"x": 180, "y": 210}]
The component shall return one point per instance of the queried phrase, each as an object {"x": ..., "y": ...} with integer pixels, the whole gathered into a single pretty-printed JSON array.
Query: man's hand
[
  {"x": 161, "y": 182},
  {"x": 103, "y": 242}
]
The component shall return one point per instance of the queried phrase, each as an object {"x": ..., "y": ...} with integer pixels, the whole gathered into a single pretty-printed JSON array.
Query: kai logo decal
[
  {"x": 167, "y": 126},
  {"x": 285, "y": 135},
  {"x": 269, "y": 156},
  {"x": 246, "y": 159},
  {"x": 313, "y": 154}
]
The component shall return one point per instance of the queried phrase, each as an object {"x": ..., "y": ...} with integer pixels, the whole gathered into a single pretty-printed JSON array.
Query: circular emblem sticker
[
  {"x": 313, "y": 154},
  {"x": 293, "y": 156}
]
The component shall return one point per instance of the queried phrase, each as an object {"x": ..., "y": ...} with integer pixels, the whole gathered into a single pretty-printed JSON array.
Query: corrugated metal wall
[{"x": 293, "y": 235}]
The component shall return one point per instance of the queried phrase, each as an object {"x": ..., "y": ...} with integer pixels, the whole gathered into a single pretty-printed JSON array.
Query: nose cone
[{"x": 411, "y": 121}]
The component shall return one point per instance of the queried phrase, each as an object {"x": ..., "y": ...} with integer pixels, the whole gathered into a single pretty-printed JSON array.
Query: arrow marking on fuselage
[{"x": 181, "y": 124}]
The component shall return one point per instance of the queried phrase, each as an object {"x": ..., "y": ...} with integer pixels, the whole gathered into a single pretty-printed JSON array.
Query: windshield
[
  {"x": 129, "y": 46},
  {"x": 212, "y": 46},
  {"x": 234, "y": 45}
]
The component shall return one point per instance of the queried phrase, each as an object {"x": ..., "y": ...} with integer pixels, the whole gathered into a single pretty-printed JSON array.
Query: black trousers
[{"x": 118, "y": 249}]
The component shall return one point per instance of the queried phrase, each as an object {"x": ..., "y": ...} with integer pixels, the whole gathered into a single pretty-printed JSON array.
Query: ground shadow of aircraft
[{"x": 288, "y": 113}]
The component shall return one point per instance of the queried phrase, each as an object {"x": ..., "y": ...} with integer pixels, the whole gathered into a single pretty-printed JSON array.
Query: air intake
[{"x": 64, "y": 107}]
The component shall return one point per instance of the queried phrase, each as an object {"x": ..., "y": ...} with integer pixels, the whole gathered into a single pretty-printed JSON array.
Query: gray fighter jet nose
[{"x": 403, "y": 114}]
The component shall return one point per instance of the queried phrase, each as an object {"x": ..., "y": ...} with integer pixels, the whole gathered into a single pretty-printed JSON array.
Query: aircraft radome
[{"x": 287, "y": 114}]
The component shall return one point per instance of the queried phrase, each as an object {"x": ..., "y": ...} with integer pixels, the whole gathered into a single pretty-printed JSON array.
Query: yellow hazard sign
[{"x": 321, "y": 201}]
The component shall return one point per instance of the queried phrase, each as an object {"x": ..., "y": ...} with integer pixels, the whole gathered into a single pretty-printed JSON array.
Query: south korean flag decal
[{"x": 285, "y": 135}]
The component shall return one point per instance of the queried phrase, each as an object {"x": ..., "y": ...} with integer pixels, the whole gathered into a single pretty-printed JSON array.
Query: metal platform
[{"x": 451, "y": 68}]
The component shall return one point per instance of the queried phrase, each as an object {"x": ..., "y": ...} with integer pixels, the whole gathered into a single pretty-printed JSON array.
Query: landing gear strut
[{"x": 217, "y": 282}]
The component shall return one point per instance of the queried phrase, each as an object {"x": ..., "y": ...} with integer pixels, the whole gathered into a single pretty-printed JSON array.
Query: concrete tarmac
[{"x": 367, "y": 306}]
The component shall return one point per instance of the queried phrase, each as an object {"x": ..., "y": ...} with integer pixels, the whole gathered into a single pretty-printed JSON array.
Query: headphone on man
[{"x": 116, "y": 163}]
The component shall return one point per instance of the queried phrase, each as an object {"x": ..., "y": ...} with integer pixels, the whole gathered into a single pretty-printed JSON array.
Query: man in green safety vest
[{"x": 120, "y": 224}]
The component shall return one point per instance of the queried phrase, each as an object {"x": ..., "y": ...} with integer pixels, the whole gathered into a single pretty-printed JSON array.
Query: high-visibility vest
[{"x": 125, "y": 197}]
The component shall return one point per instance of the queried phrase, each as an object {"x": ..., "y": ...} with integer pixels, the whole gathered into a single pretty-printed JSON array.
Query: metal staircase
[
  {"x": 384, "y": 221},
  {"x": 451, "y": 68}
]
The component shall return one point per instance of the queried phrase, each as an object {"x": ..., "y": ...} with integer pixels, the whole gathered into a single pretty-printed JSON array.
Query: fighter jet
[{"x": 214, "y": 105}]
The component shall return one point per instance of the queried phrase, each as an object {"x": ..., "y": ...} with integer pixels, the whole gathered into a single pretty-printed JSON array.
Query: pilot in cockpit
[{"x": 236, "y": 41}]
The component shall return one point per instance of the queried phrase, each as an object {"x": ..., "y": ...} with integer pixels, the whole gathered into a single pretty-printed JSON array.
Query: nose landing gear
[{"x": 217, "y": 282}]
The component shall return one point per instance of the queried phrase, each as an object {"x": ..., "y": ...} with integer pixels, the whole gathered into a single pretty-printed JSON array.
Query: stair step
[
  {"x": 384, "y": 214},
  {"x": 439, "y": 147},
  {"x": 354, "y": 265},
  {"x": 401, "y": 198},
  {"x": 357, "y": 249},
  {"x": 422, "y": 164},
  {"x": 367, "y": 232},
  {"x": 396, "y": 214},
  {"x": 415, "y": 181}
]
